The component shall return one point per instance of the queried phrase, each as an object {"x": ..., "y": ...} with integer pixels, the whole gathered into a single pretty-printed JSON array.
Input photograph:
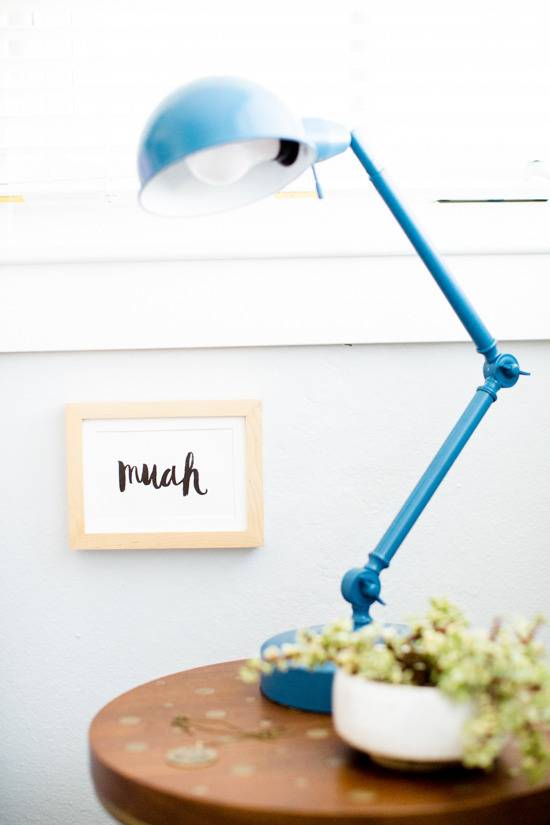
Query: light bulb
[{"x": 226, "y": 164}]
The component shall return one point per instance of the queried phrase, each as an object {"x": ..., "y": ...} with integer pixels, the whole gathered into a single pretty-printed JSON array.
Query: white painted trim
[{"x": 210, "y": 303}]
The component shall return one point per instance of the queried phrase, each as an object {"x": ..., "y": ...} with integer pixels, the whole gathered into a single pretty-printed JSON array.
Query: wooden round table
[{"x": 202, "y": 748}]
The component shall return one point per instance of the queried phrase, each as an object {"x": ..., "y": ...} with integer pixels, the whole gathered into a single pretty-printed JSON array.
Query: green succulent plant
[{"x": 503, "y": 671}]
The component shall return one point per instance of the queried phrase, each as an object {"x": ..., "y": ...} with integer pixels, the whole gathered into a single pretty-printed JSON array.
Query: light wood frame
[{"x": 252, "y": 536}]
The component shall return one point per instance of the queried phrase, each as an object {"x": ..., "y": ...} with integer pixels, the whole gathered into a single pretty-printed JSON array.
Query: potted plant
[{"x": 435, "y": 692}]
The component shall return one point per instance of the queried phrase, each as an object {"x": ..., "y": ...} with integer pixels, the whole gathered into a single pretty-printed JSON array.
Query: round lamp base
[{"x": 299, "y": 687}]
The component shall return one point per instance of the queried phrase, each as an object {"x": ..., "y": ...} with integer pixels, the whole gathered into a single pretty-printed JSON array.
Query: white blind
[{"x": 453, "y": 92}]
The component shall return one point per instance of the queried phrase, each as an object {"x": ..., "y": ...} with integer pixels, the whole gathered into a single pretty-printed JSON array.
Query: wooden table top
[{"x": 202, "y": 748}]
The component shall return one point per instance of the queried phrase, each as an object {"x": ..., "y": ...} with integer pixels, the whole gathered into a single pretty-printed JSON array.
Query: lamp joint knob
[
  {"x": 505, "y": 370},
  {"x": 361, "y": 587}
]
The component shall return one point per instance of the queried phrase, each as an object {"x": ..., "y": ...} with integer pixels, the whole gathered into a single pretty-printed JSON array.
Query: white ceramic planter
[{"x": 399, "y": 725}]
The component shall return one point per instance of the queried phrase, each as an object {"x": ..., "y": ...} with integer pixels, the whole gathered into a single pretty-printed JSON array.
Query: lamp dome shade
[{"x": 219, "y": 143}]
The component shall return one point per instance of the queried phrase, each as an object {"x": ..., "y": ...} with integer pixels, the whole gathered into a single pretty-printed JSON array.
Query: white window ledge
[
  {"x": 79, "y": 275},
  {"x": 85, "y": 227}
]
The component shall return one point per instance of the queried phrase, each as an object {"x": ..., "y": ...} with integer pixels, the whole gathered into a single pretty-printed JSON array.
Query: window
[{"x": 449, "y": 96}]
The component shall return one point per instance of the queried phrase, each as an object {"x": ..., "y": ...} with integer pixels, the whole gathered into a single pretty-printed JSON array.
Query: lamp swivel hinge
[
  {"x": 361, "y": 587},
  {"x": 504, "y": 371}
]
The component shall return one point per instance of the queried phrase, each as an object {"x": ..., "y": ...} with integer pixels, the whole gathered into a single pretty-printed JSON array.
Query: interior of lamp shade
[{"x": 176, "y": 192}]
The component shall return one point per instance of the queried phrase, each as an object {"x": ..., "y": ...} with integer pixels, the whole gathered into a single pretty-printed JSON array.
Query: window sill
[
  {"x": 87, "y": 227},
  {"x": 291, "y": 272}
]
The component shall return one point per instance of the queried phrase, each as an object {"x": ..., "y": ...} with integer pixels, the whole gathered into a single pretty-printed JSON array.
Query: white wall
[{"x": 347, "y": 431}]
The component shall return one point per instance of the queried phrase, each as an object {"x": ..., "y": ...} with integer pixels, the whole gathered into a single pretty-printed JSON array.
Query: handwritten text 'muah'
[{"x": 130, "y": 474}]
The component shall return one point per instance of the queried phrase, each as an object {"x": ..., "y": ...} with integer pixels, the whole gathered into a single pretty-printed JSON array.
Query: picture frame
[{"x": 164, "y": 475}]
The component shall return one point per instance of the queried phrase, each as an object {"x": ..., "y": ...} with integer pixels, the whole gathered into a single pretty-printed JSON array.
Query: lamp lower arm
[{"x": 361, "y": 586}]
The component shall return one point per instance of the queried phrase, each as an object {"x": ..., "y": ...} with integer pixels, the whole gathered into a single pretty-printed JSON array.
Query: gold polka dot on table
[
  {"x": 335, "y": 761},
  {"x": 317, "y": 733},
  {"x": 161, "y": 681},
  {"x": 361, "y": 795},
  {"x": 265, "y": 723},
  {"x": 243, "y": 770},
  {"x": 168, "y": 705},
  {"x": 204, "y": 691},
  {"x": 216, "y": 714},
  {"x": 136, "y": 747},
  {"x": 250, "y": 699},
  {"x": 191, "y": 756},
  {"x": 129, "y": 720},
  {"x": 301, "y": 782},
  {"x": 199, "y": 790}
]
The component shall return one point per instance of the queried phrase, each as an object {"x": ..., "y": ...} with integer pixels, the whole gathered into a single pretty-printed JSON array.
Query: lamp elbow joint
[{"x": 503, "y": 372}]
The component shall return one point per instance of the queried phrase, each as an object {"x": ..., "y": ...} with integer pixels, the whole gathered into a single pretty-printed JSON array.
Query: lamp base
[{"x": 299, "y": 687}]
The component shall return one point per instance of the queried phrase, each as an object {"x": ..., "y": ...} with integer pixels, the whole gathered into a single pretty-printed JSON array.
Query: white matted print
[{"x": 165, "y": 475}]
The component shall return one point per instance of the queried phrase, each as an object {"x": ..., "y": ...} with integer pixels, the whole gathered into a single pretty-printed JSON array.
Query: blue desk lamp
[{"x": 223, "y": 142}]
